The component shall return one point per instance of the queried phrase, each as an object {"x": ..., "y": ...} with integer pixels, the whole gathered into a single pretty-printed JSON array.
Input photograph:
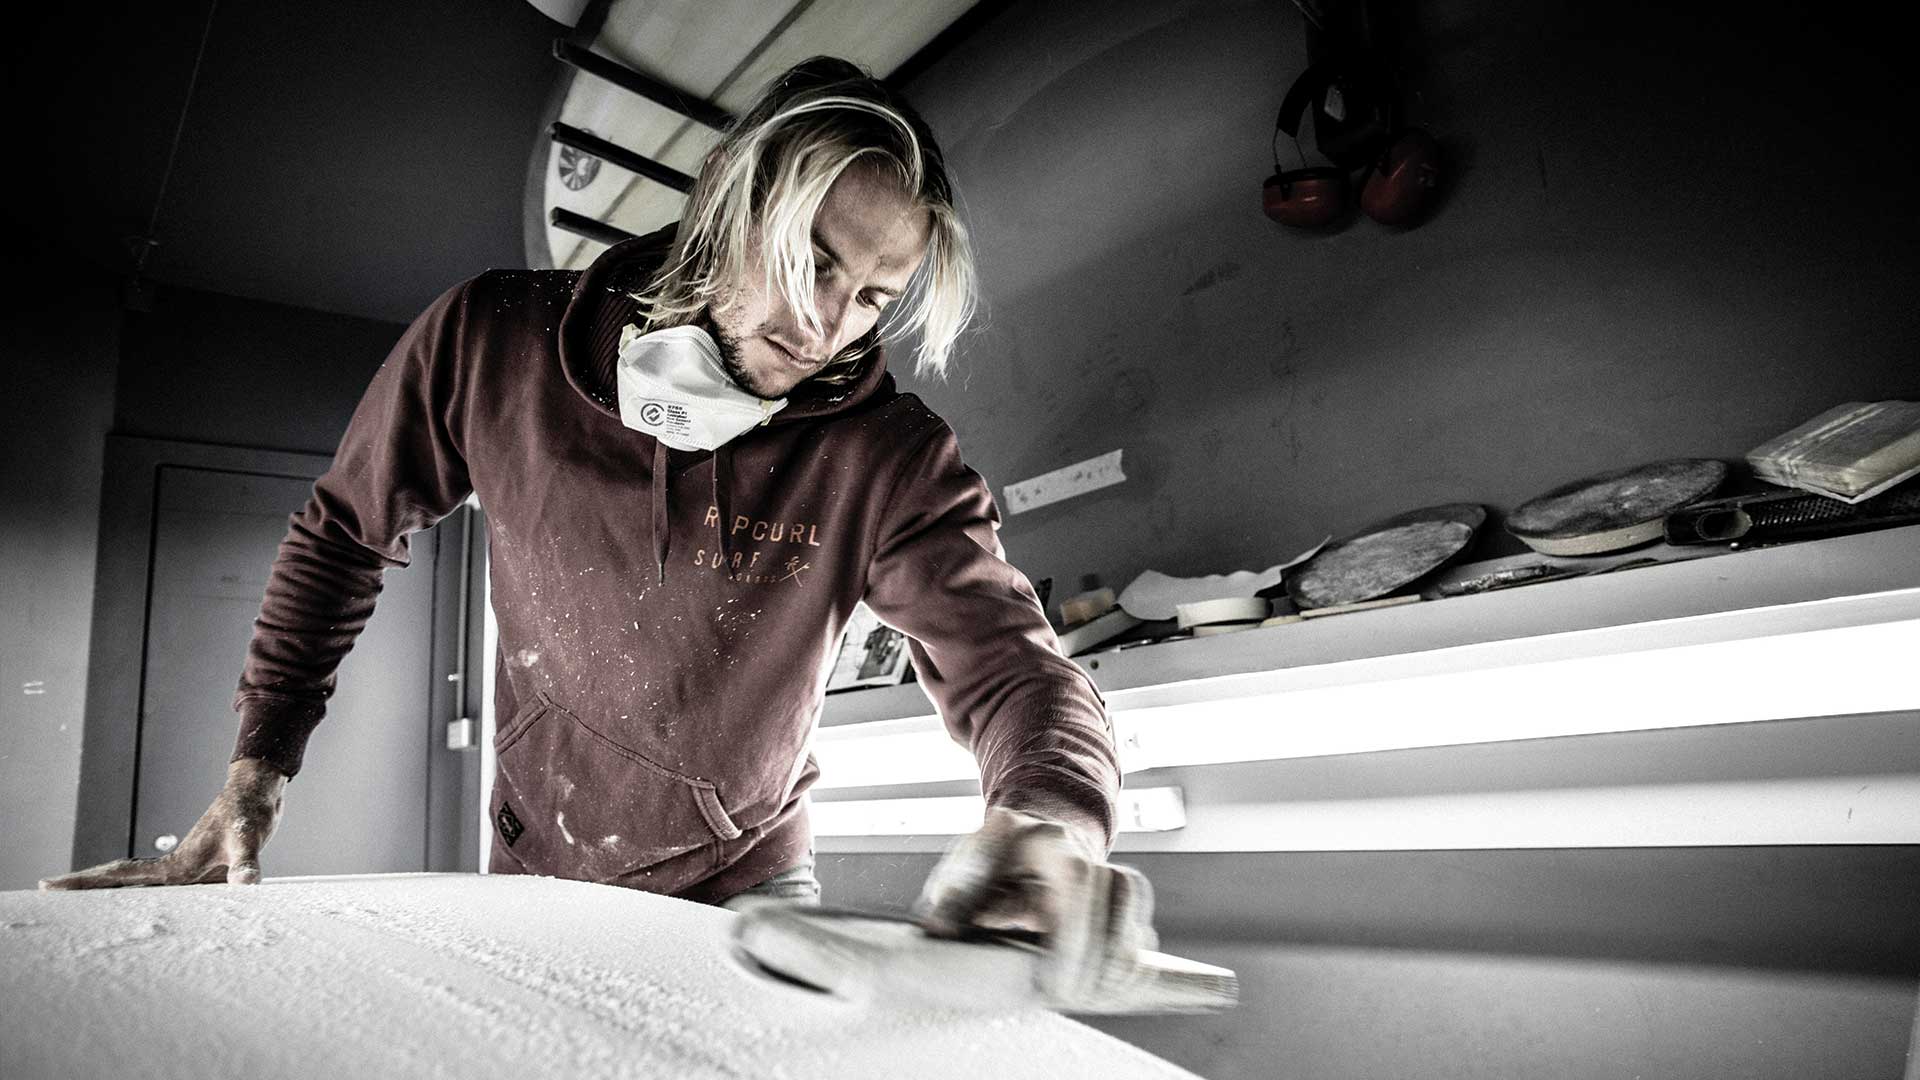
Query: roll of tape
[{"x": 1231, "y": 609}]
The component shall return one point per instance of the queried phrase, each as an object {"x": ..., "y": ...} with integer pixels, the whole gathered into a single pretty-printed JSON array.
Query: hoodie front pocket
[{"x": 584, "y": 806}]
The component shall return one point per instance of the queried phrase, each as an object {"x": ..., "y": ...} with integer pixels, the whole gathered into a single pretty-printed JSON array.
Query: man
[{"x": 694, "y": 464}]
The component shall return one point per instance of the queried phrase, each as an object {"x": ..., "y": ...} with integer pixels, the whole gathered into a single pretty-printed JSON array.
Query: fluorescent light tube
[
  {"x": 1826, "y": 672},
  {"x": 1145, "y": 810}
]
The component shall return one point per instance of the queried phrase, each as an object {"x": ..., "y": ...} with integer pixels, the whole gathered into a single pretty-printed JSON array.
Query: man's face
[{"x": 868, "y": 239}]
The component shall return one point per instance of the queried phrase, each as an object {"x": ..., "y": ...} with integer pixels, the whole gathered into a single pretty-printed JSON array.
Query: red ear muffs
[
  {"x": 1310, "y": 196},
  {"x": 1305, "y": 198},
  {"x": 1402, "y": 182},
  {"x": 1403, "y": 163}
]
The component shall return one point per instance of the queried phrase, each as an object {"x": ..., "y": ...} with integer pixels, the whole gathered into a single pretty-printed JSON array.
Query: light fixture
[
  {"x": 1159, "y": 809},
  {"x": 1470, "y": 694}
]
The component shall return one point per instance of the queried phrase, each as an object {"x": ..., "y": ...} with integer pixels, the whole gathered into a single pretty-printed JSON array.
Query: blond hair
[{"x": 765, "y": 180}]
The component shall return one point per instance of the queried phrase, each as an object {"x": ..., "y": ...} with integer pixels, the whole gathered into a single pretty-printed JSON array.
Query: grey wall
[
  {"x": 352, "y": 157},
  {"x": 1353, "y": 1012},
  {"x": 1777, "y": 963},
  {"x": 198, "y": 367},
  {"x": 58, "y": 344},
  {"x": 356, "y": 157},
  {"x": 1669, "y": 230},
  {"x": 1751, "y": 962},
  {"x": 203, "y": 367}
]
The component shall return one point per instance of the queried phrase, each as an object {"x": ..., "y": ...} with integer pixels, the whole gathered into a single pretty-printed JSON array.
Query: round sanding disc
[
  {"x": 1613, "y": 510},
  {"x": 1384, "y": 557}
]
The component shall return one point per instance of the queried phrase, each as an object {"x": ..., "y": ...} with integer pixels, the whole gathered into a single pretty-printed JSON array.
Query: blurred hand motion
[{"x": 1031, "y": 877}]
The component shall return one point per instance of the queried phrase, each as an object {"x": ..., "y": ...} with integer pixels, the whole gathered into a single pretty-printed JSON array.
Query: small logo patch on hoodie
[{"x": 509, "y": 825}]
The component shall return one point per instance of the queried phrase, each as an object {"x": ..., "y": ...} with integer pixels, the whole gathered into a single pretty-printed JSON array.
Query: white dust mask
[{"x": 673, "y": 388}]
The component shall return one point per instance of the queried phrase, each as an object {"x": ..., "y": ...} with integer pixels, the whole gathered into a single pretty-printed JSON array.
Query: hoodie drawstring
[
  {"x": 722, "y": 467},
  {"x": 661, "y": 529}
]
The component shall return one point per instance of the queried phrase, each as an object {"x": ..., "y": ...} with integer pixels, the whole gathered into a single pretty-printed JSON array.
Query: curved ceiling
[{"x": 719, "y": 51}]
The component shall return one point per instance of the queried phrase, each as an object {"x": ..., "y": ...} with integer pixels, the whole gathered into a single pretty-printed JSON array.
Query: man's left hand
[{"x": 1025, "y": 874}]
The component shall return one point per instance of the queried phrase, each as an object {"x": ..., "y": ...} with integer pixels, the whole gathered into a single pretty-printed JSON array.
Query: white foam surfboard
[{"x": 408, "y": 975}]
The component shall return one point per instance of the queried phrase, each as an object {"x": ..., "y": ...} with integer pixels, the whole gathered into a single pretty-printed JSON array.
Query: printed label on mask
[
  {"x": 666, "y": 418},
  {"x": 673, "y": 385}
]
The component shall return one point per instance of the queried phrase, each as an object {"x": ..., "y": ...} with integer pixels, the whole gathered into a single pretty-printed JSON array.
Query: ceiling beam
[
  {"x": 588, "y": 143},
  {"x": 582, "y": 225},
  {"x": 646, "y": 86}
]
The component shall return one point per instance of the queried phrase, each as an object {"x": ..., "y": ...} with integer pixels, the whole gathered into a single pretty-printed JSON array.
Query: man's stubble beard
[{"x": 730, "y": 359}]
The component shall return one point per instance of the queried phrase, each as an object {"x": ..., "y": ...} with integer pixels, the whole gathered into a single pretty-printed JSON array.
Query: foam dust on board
[
  {"x": 405, "y": 975},
  {"x": 1078, "y": 479}
]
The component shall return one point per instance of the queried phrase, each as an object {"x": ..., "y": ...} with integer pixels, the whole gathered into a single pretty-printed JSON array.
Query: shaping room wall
[
  {"x": 198, "y": 367},
  {"x": 59, "y": 333},
  {"x": 1337, "y": 1013},
  {"x": 1669, "y": 230},
  {"x": 204, "y": 367},
  {"x": 1760, "y": 962}
]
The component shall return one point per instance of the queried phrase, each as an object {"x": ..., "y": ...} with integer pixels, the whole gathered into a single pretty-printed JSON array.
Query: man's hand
[
  {"x": 1022, "y": 873},
  {"x": 224, "y": 845}
]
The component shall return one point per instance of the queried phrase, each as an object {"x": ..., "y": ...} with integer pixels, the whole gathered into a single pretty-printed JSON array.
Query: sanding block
[
  {"x": 1851, "y": 452},
  {"x": 886, "y": 961}
]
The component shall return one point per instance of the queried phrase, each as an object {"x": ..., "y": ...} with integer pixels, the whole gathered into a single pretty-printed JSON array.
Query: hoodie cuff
[
  {"x": 1089, "y": 819},
  {"x": 275, "y": 729}
]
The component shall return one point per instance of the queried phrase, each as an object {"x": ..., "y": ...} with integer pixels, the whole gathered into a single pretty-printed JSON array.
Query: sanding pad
[
  {"x": 1613, "y": 510},
  {"x": 1383, "y": 557},
  {"x": 886, "y": 961}
]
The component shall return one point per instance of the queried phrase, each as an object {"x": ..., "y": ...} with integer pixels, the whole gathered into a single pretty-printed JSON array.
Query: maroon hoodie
[{"x": 668, "y": 619}]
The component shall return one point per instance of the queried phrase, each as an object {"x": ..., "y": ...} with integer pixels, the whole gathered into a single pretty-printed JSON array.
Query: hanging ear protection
[
  {"x": 1310, "y": 196},
  {"x": 1355, "y": 126},
  {"x": 1352, "y": 112},
  {"x": 1402, "y": 182}
]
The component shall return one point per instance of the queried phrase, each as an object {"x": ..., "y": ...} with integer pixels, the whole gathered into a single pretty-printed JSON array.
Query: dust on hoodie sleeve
[{"x": 983, "y": 649}]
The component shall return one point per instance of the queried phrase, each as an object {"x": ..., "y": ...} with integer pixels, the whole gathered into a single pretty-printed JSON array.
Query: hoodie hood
[{"x": 602, "y": 306}]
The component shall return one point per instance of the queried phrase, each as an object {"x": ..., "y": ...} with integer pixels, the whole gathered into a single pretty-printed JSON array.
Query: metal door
[{"x": 359, "y": 804}]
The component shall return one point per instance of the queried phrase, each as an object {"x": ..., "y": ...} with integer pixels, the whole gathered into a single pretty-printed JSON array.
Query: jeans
[{"x": 794, "y": 885}]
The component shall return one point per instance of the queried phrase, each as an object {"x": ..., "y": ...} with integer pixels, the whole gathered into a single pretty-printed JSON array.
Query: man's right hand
[{"x": 224, "y": 845}]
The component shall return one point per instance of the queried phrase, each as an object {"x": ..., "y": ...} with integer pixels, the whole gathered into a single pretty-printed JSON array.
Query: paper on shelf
[{"x": 1154, "y": 595}]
